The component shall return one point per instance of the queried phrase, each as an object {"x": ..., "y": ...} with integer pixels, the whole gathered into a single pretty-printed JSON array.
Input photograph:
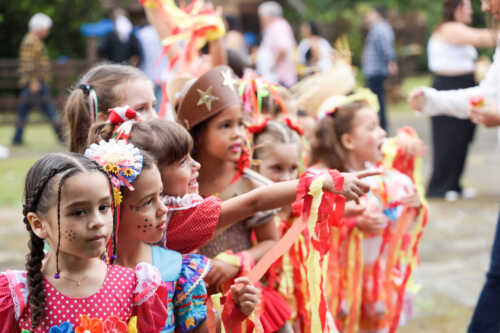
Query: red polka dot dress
[{"x": 124, "y": 293}]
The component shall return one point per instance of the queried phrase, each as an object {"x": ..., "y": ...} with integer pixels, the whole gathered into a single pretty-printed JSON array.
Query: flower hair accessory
[
  {"x": 123, "y": 118},
  {"x": 122, "y": 161}
]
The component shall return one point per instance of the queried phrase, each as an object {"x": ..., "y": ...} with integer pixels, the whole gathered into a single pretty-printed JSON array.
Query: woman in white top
[
  {"x": 314, "y": 50},
  {"x": 452, "y": 62},
  {"x": 456, "y": 103}
]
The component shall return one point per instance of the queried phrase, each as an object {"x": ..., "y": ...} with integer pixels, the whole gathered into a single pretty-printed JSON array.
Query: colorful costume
[
  {"x": 183, "y": 275},
  {"x": 369, "y": 294},
  {"x": 124, "y": 293}
]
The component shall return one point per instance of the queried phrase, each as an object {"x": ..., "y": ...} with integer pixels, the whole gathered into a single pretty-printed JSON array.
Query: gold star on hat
[
  {"x": 229, "y": 80},
  {"x": 206, "y": 98}
]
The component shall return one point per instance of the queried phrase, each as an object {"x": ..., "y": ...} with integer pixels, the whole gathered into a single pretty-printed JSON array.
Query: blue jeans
[
  {"x": 486, "y": 318},
  {"x": 376, "y": 85},
  {"x": 26, "y": 102}
]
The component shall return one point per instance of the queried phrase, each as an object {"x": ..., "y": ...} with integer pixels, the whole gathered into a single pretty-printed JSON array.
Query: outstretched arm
[{"x": 282, "y": 194}]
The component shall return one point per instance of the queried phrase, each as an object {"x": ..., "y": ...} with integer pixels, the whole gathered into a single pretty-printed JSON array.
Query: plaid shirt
[
  {"x": 34, "y": 63},
  {"x": 379, "y": 50}
]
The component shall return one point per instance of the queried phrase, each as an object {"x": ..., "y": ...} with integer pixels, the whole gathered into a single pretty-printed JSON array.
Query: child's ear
[
  {"x": 37, "y": 224},
  {"x": 346, "y": 141}
]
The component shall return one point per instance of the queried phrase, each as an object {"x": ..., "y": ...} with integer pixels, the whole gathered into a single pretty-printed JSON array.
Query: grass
[{"x": 39, "y": 140}]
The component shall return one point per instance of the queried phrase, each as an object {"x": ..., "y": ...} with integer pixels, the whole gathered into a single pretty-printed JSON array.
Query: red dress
[
  {"x": 124, "y": 293},
  {"x": 191, "y": 222}
]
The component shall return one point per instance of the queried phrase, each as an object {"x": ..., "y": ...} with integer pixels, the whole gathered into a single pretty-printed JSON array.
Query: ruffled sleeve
[
  {"x": 190, "y": 229},
  {"x": 12, "y": 298},
  {"x": 151, "y": 297},
  {"x": 190, "y": 293}
]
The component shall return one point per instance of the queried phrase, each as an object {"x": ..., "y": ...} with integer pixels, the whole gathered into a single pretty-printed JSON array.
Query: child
[
  {"x": 379, "y": 247},
  {"x": 211, "y": 109},
  {"x": 101, "y": 88},
  {"x": 143, "y": 221},
  {"x": 68, "y": 205}
]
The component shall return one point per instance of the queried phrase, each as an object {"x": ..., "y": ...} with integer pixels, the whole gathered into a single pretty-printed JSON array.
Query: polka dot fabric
[{"x": 114, "y": 298}]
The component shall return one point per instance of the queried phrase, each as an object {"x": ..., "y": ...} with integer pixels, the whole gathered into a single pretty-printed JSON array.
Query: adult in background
[
  {"x": 34, "y": 70},
  {"x": 451, "y": 56},
  {"x": 154, "y": 64},
  {"x": 121, "y": 45},
  {"x": 379, "y": 56},
  {"x": 275, "y": 58},
  {"x": 457, "y": 103},
  {"x": 314, "y": 50}
]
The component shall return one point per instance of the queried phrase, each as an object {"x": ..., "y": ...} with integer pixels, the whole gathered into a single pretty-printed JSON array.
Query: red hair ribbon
[
  {"x": 294, "y": 126},
  {"x": 255, "y": 129},
  {"x": 123, "y": 118},
  {"x": 119, "y": 115}
]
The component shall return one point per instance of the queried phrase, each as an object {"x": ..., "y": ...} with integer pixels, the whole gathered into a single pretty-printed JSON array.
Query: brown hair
[
  {"x": 104, "y": 80},
  {"x": 449, "y": 8},
  {"x": 163, "y": 141},
  {"x": 275, "y": 133},
  {"x": 327, "y": 145},
  {"x": 44, "y": 177}
]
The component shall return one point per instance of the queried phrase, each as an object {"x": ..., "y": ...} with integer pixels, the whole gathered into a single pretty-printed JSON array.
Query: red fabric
[
  {"x": 7, "y": 314},
  {"x": 257, "y": 128},
  {"x": 152, "y": 315},
  {"x": 190, "y": 229},
  {"x": 276, "y": 311}
]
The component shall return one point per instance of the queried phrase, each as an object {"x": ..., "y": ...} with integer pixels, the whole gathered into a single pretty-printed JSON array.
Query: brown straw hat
[{"x": 213, "y": 92}]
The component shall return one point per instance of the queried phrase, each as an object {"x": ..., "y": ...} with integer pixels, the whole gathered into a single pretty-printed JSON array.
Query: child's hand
[
  {"x": 353, "y": 209},
  {"x": 220, "y": 272},
  {"x": 411, "y": 146},
  {"x": 487, "y": 115},
  {"x": 353, "y": 187},
  {"x": 372, "y": 222},
  {"x": 245, "y": 295},
  {"x": 412, "y": 200}
]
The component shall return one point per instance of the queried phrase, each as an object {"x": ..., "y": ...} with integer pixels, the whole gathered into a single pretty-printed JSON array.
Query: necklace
[{"x": 77, "y": 282}]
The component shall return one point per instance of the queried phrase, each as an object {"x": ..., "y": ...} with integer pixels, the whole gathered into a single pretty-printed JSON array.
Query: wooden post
[{"x": 91, "y": 50}]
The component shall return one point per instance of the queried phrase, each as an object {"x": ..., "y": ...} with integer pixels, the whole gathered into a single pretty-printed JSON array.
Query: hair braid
[{"x": 34, "y": 258}]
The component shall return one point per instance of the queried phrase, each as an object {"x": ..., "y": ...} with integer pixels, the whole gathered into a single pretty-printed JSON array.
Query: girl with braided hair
[{"x": 69, "y": 205}]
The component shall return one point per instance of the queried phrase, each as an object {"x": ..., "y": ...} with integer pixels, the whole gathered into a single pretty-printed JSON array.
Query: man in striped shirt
[{"x": 34, "y": 70}]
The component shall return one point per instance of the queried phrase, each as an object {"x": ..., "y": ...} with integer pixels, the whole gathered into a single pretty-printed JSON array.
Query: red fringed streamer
[{"x": 242, "y": 164}]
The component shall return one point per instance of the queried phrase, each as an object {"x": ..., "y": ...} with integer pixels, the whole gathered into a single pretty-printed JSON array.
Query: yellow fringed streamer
[
  {"x": 132, "y": 325},
  {"x": 218, "y": 307},
  {"x": 316, "y": 191}
]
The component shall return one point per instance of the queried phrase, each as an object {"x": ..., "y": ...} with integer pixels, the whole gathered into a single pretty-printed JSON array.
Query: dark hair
[
  {"x": 381, "y": 10},
  {"x": 327, "y": 145},
  {"x": 449, "y": 8},
  {"x": 315, "y": 30},
  {"x": 161, "y": 141},
  {"x": 39, "y": 195},
  {"x": 237, "y": 62},
  {"x": 104, "y": 80}
]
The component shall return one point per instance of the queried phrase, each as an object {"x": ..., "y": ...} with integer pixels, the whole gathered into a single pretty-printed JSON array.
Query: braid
[
  {"x": 65, "y": 176},
  {"x": 34, "y": 258}
]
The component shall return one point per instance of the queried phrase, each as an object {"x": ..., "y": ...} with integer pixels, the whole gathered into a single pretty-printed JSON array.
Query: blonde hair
[
  {"x": 275, "y": 133},
  {"x": 104, "y": 79}
]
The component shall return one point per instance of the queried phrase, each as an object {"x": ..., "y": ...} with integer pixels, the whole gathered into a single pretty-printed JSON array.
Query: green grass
[{"x": 39, "y": 140}]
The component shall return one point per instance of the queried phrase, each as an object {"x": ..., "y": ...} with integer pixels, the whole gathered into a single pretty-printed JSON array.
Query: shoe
[
  {"x": 469, "y": 193},
  {"x": 451, "y": 196}
]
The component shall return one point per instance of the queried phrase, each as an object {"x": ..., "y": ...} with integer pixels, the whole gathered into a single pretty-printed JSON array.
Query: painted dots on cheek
[
  {"x": 70, "y": 235},
  {"x": 146, "y": 226}
]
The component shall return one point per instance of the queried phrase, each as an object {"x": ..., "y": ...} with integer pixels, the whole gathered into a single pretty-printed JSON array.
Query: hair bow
[
  {"x": 123, "y": 118},
  {"x": 294, "y": 126},
  {"x": 257, "y": 128}
]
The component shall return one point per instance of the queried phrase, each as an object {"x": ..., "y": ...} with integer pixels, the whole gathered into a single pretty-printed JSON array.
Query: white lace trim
[
  {"x": 16, "y": 279},
  {"x": 148, "y": 281},
  {"x": 182, "y": 203}
]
